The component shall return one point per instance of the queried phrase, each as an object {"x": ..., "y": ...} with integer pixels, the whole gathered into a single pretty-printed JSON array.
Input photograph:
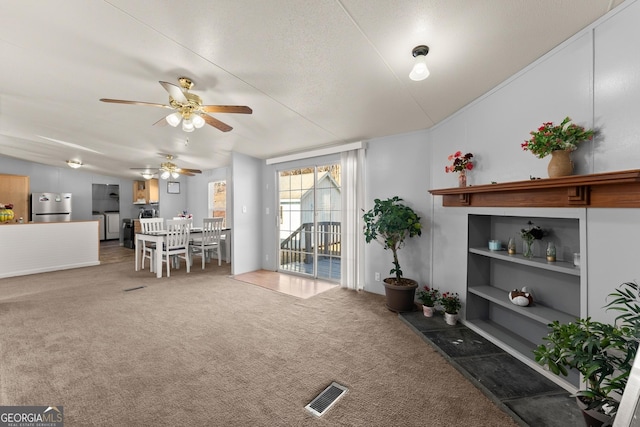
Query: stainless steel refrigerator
[{"x": 50, "y": 207}]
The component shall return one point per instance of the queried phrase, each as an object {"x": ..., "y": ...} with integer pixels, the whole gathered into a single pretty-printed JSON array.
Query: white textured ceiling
[{"x": 315, "y": 72}]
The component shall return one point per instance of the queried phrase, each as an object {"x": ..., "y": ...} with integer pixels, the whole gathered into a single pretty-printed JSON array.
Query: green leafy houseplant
[
  {"x": 389, "y": 223},
  {"x": 450, "y": 302},
  {"x": 601, "y": 352},
  {"x": 428, "y": 296},
  {"x": 550, "y": 137}
]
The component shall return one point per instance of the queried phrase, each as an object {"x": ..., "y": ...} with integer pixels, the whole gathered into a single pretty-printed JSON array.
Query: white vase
[
  {"x": 451, "y": 319},
  {"x": 428, "y": 311}
]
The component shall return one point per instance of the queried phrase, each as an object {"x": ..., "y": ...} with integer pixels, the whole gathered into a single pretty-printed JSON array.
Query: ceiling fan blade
[
  {"x": 148, "y": 104},
  {"x": 243, "y": 109},
  {"x": 190, "y": 170},
  {"x": 182, "y": 172},
  {"x": 216, "y": 123},
  {"x": 175, "y": 92},
  {"x": 145, "y": 169},
  {"x": 161, "y": 122}
]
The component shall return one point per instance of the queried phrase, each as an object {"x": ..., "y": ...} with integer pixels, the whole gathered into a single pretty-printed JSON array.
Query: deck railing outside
[{"x": 299, "y": 246}]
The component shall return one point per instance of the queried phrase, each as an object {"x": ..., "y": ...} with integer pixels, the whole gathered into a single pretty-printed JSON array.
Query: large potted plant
[
  {"x": 601, "y": 352},
  {"x": 389, "y": 223}
]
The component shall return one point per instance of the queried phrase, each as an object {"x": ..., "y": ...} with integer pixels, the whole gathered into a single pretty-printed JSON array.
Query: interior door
[{"x": 310, "y": 227}]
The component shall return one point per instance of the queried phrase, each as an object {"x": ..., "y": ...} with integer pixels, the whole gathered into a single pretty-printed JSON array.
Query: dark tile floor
[{"x": 530, "y": 398}]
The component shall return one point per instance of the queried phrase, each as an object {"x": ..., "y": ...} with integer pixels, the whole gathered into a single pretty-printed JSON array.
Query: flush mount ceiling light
[
  {"x": 147, "y": 175},
  {"x": 74, "y": 163},
  {"x": 420, "y": 70}
]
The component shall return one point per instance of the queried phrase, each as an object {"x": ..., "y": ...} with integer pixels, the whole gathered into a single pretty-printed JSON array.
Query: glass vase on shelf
[
  {"x": 527, "y": 248},
  {"x": 462, "y": 178},
  {"x": 511, "y": 246},
  {"x": 551, "y": 252}
]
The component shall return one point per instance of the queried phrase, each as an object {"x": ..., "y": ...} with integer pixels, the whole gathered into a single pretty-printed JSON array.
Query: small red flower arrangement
[
  {"x": 450, "y": 302},
  {"x": 428, "y": 296},
  {"x": 550, "y": 137},
  {"x": 459, "y": 162}
]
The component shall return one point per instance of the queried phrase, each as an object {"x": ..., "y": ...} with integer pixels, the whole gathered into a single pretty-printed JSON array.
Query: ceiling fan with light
[
  {"x": 188, "y": 108},
  {"x": 167, "y": 169}
]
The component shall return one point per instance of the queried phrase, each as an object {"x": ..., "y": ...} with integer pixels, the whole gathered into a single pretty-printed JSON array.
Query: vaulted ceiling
[{"x": 316, "y": 73}]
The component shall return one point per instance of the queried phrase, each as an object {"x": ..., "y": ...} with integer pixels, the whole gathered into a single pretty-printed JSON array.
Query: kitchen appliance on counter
[
  {"x": 128, "y": 233},
  {"x": 111, "y": 225},
  {"x": 50, "y": 207},
  {"x": 148, "y": 213}
]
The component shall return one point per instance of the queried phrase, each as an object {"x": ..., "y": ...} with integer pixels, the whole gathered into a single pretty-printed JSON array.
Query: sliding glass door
[{"x": 310, "y": 227}]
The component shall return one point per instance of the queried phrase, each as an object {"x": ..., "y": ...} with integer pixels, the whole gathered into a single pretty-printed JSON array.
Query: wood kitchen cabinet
[
  {"x": 145, "y": 192},
  {"x": 14, "y": 189}
]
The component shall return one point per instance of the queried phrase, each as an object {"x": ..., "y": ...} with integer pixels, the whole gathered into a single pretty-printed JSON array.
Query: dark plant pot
[
  {"x": 592, "y": 417},
  {"x": 400, "y": 298}
]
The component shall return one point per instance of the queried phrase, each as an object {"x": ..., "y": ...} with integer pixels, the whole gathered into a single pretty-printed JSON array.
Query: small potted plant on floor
[
  {"x": 428, "y": 297},
  {"x": 601, "y": 352},
  {"x": 389, "y": 223},
  {"x": 451, "y": 304}
]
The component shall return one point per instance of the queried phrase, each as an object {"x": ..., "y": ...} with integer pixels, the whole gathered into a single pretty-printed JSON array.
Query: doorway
[{"x": 310, "y": 221}]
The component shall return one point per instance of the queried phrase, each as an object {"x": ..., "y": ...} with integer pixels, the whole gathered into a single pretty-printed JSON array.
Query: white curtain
[{"x": 352, "y": 203}]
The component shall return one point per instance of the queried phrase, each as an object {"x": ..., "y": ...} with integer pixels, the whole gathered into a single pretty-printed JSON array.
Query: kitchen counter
[{"x": 48, "y": 246}]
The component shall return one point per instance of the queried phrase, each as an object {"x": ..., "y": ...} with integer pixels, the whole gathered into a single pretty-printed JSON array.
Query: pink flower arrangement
[{"x": 459, "y": 162}]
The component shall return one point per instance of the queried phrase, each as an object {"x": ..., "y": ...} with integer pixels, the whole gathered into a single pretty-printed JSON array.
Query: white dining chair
[
  {"x": 176, "y": 244},
  {"x": 147, "y": 225},
  {"x": 208, "y": 242}
]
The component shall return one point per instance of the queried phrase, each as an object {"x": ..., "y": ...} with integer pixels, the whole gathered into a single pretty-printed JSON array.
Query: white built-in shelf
[
  {"x": 557, "y": 266},
  {"x": 521, "y": 348},
  {"x": 537, "y": 312}
]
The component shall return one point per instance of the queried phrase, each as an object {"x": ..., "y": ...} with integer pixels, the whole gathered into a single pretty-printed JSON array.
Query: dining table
[{"x": 158, "y": 237}]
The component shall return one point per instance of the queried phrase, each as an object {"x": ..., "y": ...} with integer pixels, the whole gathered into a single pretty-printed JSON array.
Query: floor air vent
[
  {"x": 134, "y": 289},
  {"x": 326, "y": 399}
]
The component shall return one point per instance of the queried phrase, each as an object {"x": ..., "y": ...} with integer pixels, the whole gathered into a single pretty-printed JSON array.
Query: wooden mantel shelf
[{"x": 619, "y": 189}]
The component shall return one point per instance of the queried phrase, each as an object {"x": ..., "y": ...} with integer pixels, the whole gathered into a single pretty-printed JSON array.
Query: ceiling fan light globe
[
  {"x": 187, "y": 126},
  {"x": 175, "y": 175},
  {"x": 197, "y": 121},
  {"x": 420, "y": 70},
  {"x": 174, "y": 119},
  {"x": 75, "y": 164},
  {"x": 165, "y": 174}
]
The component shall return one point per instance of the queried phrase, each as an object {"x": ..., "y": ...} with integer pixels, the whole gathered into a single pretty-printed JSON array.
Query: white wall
[
  {"x": 400, "y": 166},
  {"x": 593, "y": 78},
  {"x": 247, "y": 204},
  {"x": 198, "y": 190}
]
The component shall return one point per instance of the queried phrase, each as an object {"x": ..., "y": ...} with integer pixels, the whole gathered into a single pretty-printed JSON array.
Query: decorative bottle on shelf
[
  {"x": 551, "y": 252},
  {"x": 462, "y": 178},
  {"x": 511, "y": 246}
]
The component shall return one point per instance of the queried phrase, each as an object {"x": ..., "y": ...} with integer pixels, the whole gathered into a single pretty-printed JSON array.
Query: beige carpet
[{"x": 205, "y": 350}]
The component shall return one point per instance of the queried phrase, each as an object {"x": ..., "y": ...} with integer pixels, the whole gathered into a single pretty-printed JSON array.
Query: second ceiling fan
[
  {"x": 167, "y": 169},
  {"x": 188, "y": 108}
]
